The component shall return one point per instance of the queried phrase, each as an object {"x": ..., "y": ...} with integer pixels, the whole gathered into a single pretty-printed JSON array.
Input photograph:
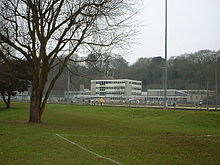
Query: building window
[
  {"x": 102, "y": 89},
  {"x": 102, "y": 93}
]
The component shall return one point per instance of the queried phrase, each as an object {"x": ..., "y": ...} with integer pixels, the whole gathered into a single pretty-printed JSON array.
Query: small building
[
  {"x": 116, "y": 90},
  {"x": 176, "y": 96},
  {"x": 196, "y": 96},
  {"x": 75, "y": 96},
  {"x": 157, "y": 96}
]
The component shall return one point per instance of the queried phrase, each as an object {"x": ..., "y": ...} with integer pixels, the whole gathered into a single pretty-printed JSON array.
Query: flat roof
[
  {"x": 161, "y": 89},
  {"x": 118, "y": 80}
]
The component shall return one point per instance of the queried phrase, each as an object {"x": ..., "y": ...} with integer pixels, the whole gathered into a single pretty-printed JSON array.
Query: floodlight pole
[
  {"x": 68, "y": 85},
  {"x": 68, "y": 79},
  {"x": 207, "y": 95},
  {"x": 165, "y": 71},
  {"x": 216, "y": 82}
]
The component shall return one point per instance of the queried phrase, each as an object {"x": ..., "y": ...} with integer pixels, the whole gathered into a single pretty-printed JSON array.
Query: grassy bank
[{"x": 130, "y": 136}]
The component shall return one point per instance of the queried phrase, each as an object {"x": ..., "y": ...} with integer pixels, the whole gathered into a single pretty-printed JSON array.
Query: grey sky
[{"x": 192, "y": 25}]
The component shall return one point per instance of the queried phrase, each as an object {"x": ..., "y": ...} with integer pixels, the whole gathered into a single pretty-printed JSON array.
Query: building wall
[
  {"x": 119, "y": 89},
  {"x": 173, "y": 96},
  {"x": 93, "y": 88},
  {"x": 160, "y": 92},
  {"x": 195, "y": 96},
  {"x": 180, "y": 96}
]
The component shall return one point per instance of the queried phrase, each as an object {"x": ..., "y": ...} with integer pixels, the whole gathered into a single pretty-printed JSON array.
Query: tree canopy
[
  {"x": 43, "y": 31},
  {"x": 13, "y": 79}
]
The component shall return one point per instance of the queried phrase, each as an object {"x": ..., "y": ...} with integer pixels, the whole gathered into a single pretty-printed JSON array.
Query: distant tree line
[{"x": 187, "y": 71}]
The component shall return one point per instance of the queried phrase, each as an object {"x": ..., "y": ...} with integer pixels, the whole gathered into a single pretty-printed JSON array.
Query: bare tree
[{"x": 43, "y": 30}]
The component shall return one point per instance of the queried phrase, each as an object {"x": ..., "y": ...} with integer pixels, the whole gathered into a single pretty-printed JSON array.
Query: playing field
[{"x": 95, "y": 135}]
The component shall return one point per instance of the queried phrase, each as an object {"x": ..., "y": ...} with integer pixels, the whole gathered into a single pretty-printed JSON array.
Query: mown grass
[{"x": 132, "y": 136}]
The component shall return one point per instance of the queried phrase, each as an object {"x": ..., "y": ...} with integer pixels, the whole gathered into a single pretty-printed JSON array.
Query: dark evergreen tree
[{"x": 14, "y": 78}]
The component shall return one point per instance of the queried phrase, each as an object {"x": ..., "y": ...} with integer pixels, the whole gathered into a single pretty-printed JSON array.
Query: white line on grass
[{"x": 85, "y": 149}]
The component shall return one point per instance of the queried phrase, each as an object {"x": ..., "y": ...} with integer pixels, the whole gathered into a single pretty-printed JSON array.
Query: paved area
[{"x": 169, "y": 107}]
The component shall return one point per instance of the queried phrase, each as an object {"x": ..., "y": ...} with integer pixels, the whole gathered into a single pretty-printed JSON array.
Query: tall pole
[
  {"x": 160, "y": 95},
  {"x": 207, "y": 95},
  {"x": 68, "y": 79},
  {"x": 68, "y": 85},
  {"x": 165, "y": 71},
  {"x": 216, "y": 82}
]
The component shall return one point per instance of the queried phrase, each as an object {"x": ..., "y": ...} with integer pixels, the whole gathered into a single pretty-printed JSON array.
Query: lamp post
[
  {"x": 68, "y": 86},
  {"x": 216, "y": 81},
  {"x": 165, "y": 68},
  {"x": 207, "y": 95}
]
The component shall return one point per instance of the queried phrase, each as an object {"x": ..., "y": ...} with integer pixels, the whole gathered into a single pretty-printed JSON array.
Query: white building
[
  {"x": 195, "y": 96},
  {"x": 116, "y": 90},
  {"x": 177, "y": 96},
  {"x": 157, "y": 96}
]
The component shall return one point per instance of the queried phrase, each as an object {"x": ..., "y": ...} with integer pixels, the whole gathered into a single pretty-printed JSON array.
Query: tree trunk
[
  {"x": 35, "y": 103},
  {"x": 6, "y": 101},
  {"x": 8, "y": 104},
  {"x": 35, "y": 108}
]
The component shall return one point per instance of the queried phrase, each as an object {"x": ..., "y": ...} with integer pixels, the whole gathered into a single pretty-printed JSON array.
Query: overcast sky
[{"x": 192, "y": 25}]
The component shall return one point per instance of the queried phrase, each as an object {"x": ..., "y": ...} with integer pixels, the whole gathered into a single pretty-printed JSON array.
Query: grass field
[{"x": 130, "y": 136}]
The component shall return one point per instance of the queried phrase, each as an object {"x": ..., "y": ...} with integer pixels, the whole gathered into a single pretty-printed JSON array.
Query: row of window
[
  {"x": 136, "y": 93},
  {"x": 197, "y": 92},
  {"x": 116, "y": 82},
  {"x": 120, "y": 87},
  {"x": 110, "y": 82},
  {"x": 135, "y": 88},
  {"x": 136, "y": 83},
  {"x": 116, "y": 98},
  {"x": 109, "y": 93},
  {"x": 103, "y": 88},
  {"x": 159, "y": 99},
  {"x": 116, "y": 93}
]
